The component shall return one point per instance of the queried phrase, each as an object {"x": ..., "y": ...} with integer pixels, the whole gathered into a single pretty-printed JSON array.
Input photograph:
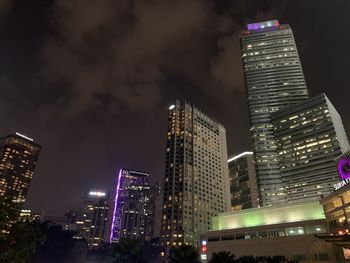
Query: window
[{"x": 213, "y": 239}]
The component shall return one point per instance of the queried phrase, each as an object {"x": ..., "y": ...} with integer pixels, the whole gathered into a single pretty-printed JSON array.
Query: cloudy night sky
[{"x": 92, "y": 80}]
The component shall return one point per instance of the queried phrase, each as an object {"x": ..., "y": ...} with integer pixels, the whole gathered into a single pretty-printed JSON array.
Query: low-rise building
[{"x": 286, "y": 231}]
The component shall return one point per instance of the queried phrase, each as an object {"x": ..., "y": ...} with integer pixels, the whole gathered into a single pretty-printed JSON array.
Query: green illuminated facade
[
  {"x": 263, "y": 216},
  {"x": 285, "y": 231}
]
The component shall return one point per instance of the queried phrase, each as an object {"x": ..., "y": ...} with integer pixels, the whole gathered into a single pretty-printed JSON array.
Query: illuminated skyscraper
[
  {"x": 274, "y": 79},
  {"x": 18, "y": 157},
  {"x": 133, "y": 215},
  {"x": 196, "y": 183},
  {"x": 310, "y": 136},
  {"x": 243, "y": 186},
  {"x": 92, "y": 222}
]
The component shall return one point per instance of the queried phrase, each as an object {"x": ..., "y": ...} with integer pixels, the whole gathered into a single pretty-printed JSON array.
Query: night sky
[{"x": 92, "y": 80}]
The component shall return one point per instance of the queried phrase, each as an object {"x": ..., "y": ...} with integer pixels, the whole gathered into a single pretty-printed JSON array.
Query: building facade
[
  {"x": 92, "y": 221},
  {"x": 337, "y": 204},
  {"x": 284, "y": 231},
  {"x": 310, "y": 137},
  {"x": 133, "y": 215},
  {"x": 243, "y": 185},
  {"x": 274, "y": 79},
  {"x": 337, "y": 211},
  {"x": 18, "y": 157},
  {"x": 196, "y": 183}
]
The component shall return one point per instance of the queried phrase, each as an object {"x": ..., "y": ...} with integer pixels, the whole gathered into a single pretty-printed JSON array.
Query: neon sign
[
  {"x": 341, "y": 183},
  {"x": 344, "y": 168},
  {"x": 261, "y": 25}
]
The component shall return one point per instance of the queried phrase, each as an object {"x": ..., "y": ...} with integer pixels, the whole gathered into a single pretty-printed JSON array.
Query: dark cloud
[
  {"x": 119, "y": 49},
  {"x": 5, "y": 6},
  {"x": 116, "y": 66},
  {"x": 127, "y": 50}
]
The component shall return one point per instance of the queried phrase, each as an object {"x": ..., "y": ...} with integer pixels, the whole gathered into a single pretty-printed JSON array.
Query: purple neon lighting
[
  {"x": 115, "y": 206},
  {"x": 255, "y": 26},
  {"x": 344, "y": 168}
]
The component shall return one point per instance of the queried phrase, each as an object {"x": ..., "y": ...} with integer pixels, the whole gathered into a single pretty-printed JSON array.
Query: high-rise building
[
  {"x": 133, "y": 215},
  {"x": 18, "y": 157},
  {"x": 243, "y": 185},
  {"x": 274, "y": 79},
  {"x": 310, "y": 136},
  {"x": 92, "y": 222},
  {"x": 196, "y": 183}
]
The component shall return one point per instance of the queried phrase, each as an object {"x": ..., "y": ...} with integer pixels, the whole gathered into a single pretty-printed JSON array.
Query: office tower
[
  {"x": 310, "y": 136},
  {"x": 92, "y": 223},
  {"x": 18, "y": 157},
  {"x": 274, "y": 79},
  {"x": 243, "y": 185},
  {"x": 133, "y": 215},
  {"x": 196, "y": 183}
]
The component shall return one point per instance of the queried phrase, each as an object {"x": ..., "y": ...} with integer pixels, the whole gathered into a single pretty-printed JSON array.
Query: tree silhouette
[
  {"x": 222, "y": 257},
  {"x": 22, "y": 241},
  {"x": 247, "y": 259},
  {"x": 18, "y": 239},
  {"x": 9, "y": 213},
  {"x": 128, "y": 250},
  {"x": 60, "y": 246},
  {"x": 183, "y": 254}
]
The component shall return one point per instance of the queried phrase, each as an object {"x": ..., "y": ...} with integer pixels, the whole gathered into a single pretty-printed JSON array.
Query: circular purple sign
[{"x": 344, "y": 168}]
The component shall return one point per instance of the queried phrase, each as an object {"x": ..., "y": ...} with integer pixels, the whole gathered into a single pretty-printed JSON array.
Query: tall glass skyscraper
[
  {"x": 92, "y": 222},
  {"x": 274, "y": 79},
  {"x": 310, "y": 137},
  {"x": 133, "y": 215},
  {"x": 18, "y": 157},
  {"x": 196, "y": 184}
]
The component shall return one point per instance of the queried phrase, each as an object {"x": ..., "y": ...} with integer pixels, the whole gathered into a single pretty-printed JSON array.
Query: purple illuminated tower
[{"x": 133, "y": 207}]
